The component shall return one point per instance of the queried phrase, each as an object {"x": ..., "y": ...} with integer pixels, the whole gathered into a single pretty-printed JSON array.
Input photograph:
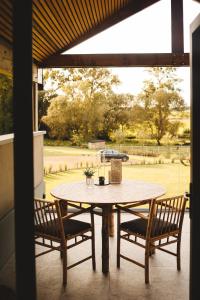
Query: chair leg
[
  {"x": 118, "y": 239},
  {"x": 178, "y": 255},
  {"x": 147, "y": 251},
  {"x": 64, "y": 260},
  {"x": 93, "y": 253},
  {"x": 93, "y": 242}
]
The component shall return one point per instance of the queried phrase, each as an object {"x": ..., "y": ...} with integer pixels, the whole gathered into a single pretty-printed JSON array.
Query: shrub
[
  {"x": 60, "y": 168},
  {"x": 76, "y": 139},
  {"x": 52, "y": 142},
  {"x": 50, "y": 169},
  {"x": 118, "y": 136}
]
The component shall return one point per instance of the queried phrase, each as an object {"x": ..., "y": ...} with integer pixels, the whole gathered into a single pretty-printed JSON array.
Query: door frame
[{"x": 194, "y": 291}]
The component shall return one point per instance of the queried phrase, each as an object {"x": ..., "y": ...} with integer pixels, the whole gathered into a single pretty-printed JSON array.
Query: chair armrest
[
  {"x": 135, "y": 204},
  {"x": 71, "y": 215},
  {"x": 133, "y": 212},
  {"x": 65, "y": 204}
]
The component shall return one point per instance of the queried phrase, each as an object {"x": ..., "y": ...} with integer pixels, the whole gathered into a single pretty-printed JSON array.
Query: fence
[
  {"x": 154, "y": 151},
  {"x": 146, "y": 155}
]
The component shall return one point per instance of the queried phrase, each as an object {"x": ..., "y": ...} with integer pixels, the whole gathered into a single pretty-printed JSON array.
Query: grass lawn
[
  {"x": 174, "y": 177},
  {"x": 65, "y": 151}
]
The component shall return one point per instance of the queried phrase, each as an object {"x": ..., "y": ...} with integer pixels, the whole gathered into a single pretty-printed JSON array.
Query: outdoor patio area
[{"x": 127, "y": 283}]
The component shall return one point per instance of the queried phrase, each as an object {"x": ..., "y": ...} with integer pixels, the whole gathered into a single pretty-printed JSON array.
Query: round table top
[{"x": 127, "y": 191}]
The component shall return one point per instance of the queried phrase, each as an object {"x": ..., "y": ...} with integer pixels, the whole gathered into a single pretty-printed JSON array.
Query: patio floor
[{"x": 124, "y": 284}]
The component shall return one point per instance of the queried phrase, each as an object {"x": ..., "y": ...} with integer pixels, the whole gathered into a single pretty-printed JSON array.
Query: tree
[
  {"x": 117, "y": 113},
  {"x": 44, "y": 100},
  {"x": 64, "y": 117},
  {"x": 118, "y": 136},
  {"x": 159, "y": 97},
  {"x": 81, "y": 109},
  {"x": 82, "y": 81}
]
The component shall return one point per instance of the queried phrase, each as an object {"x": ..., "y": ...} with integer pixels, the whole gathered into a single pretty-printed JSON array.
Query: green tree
[
  {"x": 85, "y": 93},
  {"x": 159, "y": 98},
  {"x": 44, "y": 100},
  {"x": 6, "y": 104},
  {"x": 118, "y": 136},
  {"x": 82, "y": 81},
  {"x": 63, "y": 117},
  {"x": 117, "y": 113}
]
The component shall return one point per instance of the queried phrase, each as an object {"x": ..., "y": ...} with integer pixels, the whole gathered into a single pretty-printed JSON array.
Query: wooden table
[{"x": 105, "y": 197}]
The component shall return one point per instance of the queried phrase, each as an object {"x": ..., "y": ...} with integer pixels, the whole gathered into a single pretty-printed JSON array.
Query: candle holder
[{"x": 101, "y": 180}]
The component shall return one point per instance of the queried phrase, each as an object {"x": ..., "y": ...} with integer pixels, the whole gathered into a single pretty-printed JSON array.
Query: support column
[{"x": 23, "y": 150}]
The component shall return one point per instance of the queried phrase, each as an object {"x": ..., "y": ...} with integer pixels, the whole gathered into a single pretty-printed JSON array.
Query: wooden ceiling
[{"x": 61, "y": 24}]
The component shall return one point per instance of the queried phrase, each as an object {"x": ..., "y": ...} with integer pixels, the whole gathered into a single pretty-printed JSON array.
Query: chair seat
[
  {"x": 71, "y": 227},
  {"x": 139, "y": 226}
]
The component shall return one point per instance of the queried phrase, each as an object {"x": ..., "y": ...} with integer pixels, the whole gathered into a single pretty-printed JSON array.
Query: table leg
[
  {"x": 105, "y": 238},
  {"x": 111, "y": 224}
]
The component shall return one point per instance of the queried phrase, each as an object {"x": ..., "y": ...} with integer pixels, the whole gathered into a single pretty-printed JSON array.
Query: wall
[
  {"x": 7, "y": 189},
  {"x": 39, "y": 164},
  {"x": 96, "y": 145},
  {"x": 6, "y": 174}
]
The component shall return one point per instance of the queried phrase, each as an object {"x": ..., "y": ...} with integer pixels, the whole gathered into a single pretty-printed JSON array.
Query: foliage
[
  {"x": 77, "y": 139},
  {"x": 44, "y": 100},
  {"x": 6, "y": 104},
  {"x": 81, "y": 81},
  {"x": 185, "y": 134},
  {"x": 158, "y": 99},
  {"x": 63, "y": 117},
  {"x": 88, "y": 107},
  {"x": 117, "y": 113},
  {"x": 118, "y": 136},
  {"x": 89, "y": 172},
  {"x": 51, "y": 142}
]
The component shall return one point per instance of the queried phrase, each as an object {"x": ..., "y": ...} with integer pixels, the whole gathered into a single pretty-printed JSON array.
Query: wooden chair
[
  {"x": 159, "y": 227},
  {"x": 54, "y": 227}
]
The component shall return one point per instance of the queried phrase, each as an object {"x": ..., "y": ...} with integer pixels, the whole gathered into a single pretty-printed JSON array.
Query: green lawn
[
  {"x": 174, "y": 177},
  {"x": 65, "y": 151}
]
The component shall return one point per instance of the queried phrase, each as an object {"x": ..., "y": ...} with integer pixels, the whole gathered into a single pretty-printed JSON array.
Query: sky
[{"x": 150, "y": 33}]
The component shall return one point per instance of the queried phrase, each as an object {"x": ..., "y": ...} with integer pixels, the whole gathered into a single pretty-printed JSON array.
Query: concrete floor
[{"x": 124, "y": 284}]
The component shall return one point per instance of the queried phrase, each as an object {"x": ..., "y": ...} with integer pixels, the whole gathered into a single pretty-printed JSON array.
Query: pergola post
[{"x": 23, "y": 150}]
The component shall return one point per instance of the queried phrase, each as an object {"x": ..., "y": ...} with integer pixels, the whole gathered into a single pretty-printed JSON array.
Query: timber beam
[
  {"x": 117, "y": 60},
  {"x": 177, "y": 36}
]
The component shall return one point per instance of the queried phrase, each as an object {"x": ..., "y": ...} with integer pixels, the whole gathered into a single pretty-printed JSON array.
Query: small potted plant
[{"x": 89, "y": 172}]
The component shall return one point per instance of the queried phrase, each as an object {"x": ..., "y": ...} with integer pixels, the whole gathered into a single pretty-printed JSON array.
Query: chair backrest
[
  {"x": 47, "y": 218},
  {"x": 166, "y": 216}
]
